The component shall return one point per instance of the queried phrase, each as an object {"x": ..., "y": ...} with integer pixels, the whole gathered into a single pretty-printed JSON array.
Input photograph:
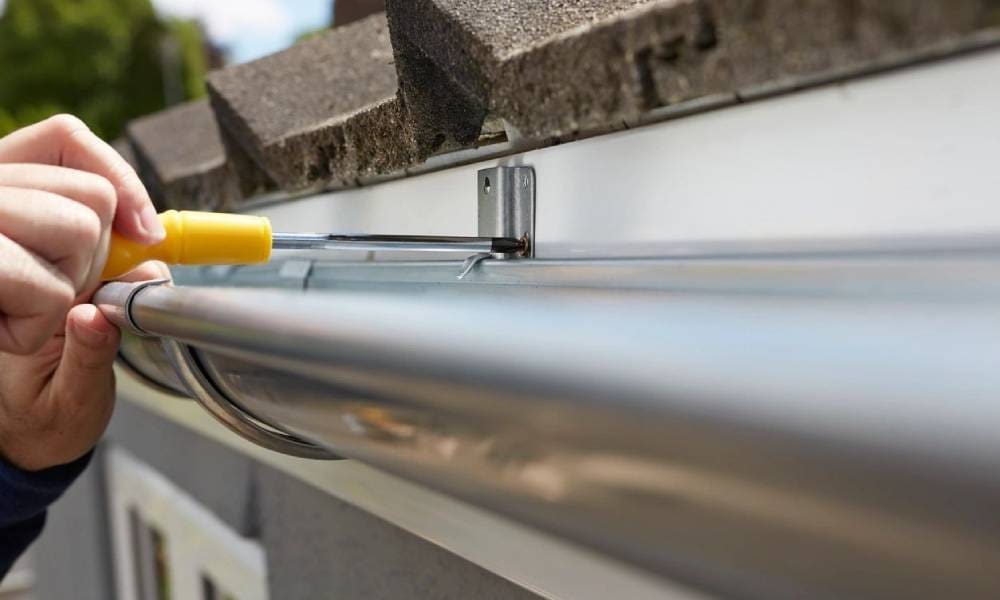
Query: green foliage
[
  {"x": 310, "y": 34},
  {"x": 191, "y": 44},
  {"x": 102, "y": 60}
]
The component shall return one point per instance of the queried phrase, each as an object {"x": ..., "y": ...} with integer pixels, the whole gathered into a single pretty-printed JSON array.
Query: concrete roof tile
[
  {"x": 383, "y": 93},
  {"x": 553, "y": 69},
  {"x": 322, "y": 112},
  {"x": 179, "y": 155}
]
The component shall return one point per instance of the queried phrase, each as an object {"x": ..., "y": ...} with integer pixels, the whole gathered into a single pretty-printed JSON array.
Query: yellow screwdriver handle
[{"x": 195, "y": 238}]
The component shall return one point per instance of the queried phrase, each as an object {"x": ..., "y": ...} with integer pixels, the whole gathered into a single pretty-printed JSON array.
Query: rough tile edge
[
  {"x": 666, "y": 59},
  {"x": 439, "y": 112},
  {"x": 538, "y": 88},
  {"x": 369, "y": 142},
  {"x": 240, "y": 145},
  {"x": 210, "y": 188},
  {"x": 348, "y": 146},
  {"x": 209, "y": 185},
  {"x": 465, "y": 61}
]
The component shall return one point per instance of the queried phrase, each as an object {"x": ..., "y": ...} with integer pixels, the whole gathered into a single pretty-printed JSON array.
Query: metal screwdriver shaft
[
  {"x": 428, "y": 243},
  {"x": 200, "y": 238}
]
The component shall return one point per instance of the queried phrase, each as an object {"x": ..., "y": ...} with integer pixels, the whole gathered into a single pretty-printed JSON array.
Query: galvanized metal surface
[
  {"x": 524, "y": 555},
  {"x": 776, "y": 443},
  {"x": 228, "y": 412},
  {"x": 117, "y": 301},
  {"x": 507, "y": 204}
]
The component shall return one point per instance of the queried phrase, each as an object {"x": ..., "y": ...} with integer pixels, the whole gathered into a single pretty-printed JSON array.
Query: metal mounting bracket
[
  {"x": 506, "y": 223},
  {"x": 506, "y": 210},
  {"x": 507, "y": 205}
]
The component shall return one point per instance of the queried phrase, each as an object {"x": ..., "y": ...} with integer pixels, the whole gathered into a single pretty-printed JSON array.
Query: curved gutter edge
[{"x": 116, "y": 301}]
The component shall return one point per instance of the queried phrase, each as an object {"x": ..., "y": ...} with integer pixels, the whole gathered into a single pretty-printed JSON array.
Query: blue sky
[{"x": 250, "y": 29}]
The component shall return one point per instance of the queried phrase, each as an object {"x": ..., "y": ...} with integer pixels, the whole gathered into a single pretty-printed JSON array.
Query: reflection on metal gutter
[{"x": 810, "y": 443}]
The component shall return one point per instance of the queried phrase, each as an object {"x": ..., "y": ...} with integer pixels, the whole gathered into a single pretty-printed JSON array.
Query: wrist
[
  {"x": 11, "y": 454},
  {"x": 31, "y": 458},
  {"x": 25, "y": 494}
]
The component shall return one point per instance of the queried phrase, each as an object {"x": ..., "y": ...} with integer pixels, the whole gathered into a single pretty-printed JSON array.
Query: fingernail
[
  {"x": 90, "y": 337},
  {"x": 151, "y": 223}
]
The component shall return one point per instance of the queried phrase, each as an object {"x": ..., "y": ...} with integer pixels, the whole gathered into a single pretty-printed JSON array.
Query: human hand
[{"x": 62, "y": 190}]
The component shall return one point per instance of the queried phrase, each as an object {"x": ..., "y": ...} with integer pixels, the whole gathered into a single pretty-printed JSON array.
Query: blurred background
[{"x": 109, "y": 61}]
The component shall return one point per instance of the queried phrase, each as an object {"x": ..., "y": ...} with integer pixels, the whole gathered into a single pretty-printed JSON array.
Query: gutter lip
[{"x": 117, "y": 301}]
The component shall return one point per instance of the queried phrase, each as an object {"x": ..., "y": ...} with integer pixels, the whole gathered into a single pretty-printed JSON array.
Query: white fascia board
[{"x": 908, "y": 154}]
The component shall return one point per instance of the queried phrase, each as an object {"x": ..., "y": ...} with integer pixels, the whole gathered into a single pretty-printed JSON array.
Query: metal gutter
[
  {"x": 775, "y": 441},
  {"x": 524, "y": 555},
  {"x": 784, "y": 384}
]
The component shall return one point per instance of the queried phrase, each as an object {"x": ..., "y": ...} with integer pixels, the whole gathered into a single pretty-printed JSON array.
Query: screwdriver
[{"x": 204, "y": 238}]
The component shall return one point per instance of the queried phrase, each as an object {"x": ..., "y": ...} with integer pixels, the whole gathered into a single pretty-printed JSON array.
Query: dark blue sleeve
[{"x": 24, "y": 496}]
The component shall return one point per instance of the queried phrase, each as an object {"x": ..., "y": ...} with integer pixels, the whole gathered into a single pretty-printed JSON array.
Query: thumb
[
  {"x": 89, "y": 351},
  {"x": 81, "y": 396}
]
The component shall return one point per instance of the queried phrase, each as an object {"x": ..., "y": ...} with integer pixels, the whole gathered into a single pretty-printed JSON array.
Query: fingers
[
  {"x": 66, "y": 141},
  {"x": 93, "y": 191},
  {"x": 51, "y": 248},
  {"x": 34, "y": 299},
  {"x": 91, "y": 344},
  {"x": 61, "y": 421},
  {"x": 63, "y": 232},
  {"x": 83, "y": 382}
]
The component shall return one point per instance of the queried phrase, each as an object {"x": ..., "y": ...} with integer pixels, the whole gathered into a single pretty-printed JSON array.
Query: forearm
[
  {"x": 24, "y": 497},
  {"x": 16, "y": 538}
]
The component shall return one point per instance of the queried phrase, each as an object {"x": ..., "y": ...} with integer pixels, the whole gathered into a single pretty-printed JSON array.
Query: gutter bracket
[
  {"x": 506, "y": 210},
  {"x": 507, "y": 205}
]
